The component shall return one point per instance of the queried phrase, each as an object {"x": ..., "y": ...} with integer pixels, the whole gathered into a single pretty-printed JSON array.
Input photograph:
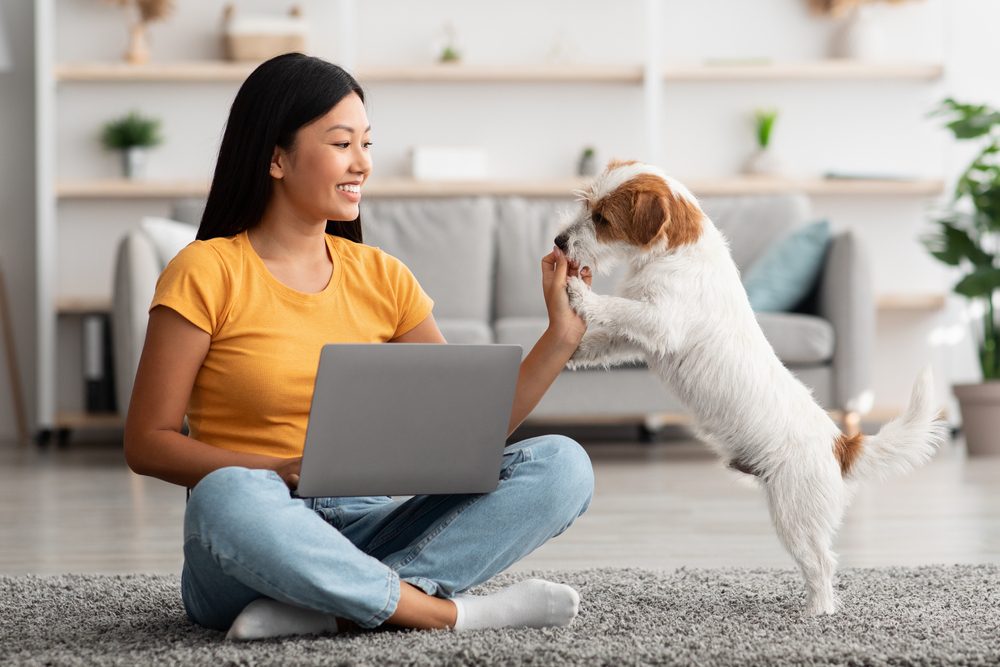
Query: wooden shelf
[
  {"x": 503, "y": 74},
  {"x": 405, "y": 187},
  {"x": 821, "y": 70},
  {"x": 73, "y": 420},
  {"x": 224, "y": 71},
  {"x": 178, "y": 71},
  {"x": 125, "y": 189},
  {"x": 911, "y": 302},
  {"x": 83, "y": 305}
]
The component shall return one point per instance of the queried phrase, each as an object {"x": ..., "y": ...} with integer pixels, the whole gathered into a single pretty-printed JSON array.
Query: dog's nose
[{"x": 561, "y": 242}]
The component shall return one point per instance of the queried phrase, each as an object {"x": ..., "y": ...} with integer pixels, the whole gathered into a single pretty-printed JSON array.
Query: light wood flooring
[{"x": 665, "y": 505}]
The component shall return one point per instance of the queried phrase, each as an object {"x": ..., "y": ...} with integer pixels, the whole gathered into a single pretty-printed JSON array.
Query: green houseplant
[
  {"x": 132, "y": 134},
  {"x": 763, "y": 162},
  {"x": 968, "y": 237}
]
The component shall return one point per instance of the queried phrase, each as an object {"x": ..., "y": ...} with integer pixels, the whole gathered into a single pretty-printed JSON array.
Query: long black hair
[{"x": 280, "y": 96}]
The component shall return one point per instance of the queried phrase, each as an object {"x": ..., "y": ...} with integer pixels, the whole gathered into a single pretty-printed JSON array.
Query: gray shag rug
[{"x": 891, "y": 616}]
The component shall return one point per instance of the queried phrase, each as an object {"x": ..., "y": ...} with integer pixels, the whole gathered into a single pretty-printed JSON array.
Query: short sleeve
[
  {"x": 197, "y": 285},
  {"x": 413, "y": 305}
]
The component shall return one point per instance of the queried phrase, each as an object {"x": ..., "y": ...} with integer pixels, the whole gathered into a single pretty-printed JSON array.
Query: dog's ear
[
  {"x": 614, "y": 163},
  {"x": 649, "y": 217},
  {"x": 659, "y": 214}
]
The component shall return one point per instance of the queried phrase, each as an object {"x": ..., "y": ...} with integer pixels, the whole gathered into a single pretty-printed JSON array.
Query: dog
[{"x": 683, "y": 310}]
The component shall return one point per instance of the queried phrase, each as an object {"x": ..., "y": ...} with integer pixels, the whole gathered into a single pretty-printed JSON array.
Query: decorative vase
[
  {"x": 138, "y": 47},
  {"x": 980, "y": 406},
  {"x": 860, "y": 37},
  {"x": 763, "y": 162},
  {"x": 134, "y": 162}
]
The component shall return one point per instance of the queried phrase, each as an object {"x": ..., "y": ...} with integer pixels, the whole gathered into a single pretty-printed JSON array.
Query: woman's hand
[
  {"x": 556, "y": 268},
  {"x": 289, "y": 471}
]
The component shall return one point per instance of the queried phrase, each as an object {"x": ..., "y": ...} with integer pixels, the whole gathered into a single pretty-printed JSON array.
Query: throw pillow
[{"x": 784, "y": 274}]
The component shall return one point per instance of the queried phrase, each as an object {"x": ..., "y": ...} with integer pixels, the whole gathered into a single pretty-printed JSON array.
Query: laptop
[{"x": 408, "y": 419}]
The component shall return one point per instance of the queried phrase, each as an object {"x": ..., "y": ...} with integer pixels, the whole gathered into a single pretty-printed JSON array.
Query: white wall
[{"x": 537, "y": 130}]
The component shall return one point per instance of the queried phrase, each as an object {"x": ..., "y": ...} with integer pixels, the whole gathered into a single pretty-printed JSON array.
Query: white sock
[
  {"x": 265, "y": 617},
  {"x": 534, "y": 603}
]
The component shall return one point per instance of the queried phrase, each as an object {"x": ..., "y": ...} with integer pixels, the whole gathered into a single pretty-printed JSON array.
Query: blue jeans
[{"x": 246, "y": 536}]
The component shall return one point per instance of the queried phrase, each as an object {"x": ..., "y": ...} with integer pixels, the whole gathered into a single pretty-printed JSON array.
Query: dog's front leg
[
  {"x": 643, "y": 323},
  {"x": 600, "y": 348}
]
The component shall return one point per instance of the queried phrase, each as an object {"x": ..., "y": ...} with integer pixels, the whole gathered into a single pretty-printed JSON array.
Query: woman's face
[{"x": 329, "y": 162}]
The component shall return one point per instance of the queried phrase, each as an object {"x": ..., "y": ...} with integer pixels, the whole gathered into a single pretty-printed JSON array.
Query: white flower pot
[
  {"x": 763, "y": 162},
  {"x": 980, "y": 405},
  {"x": 134, "y": 163},
  {"x": 860, "y": 36}
]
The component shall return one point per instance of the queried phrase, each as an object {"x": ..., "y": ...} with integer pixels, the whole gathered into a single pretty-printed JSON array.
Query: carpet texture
[{"x": 892, "y": 616}]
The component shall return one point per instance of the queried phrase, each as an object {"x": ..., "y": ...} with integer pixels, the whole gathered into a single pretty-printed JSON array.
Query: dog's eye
[{"x": 597, "y": 218}]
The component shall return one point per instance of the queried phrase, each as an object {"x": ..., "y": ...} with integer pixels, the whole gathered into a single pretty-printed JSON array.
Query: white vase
[
  {"x": 763, "y": 162},
  {"x": 134, "y": 163},
  {"x": 860, "y": 36}
]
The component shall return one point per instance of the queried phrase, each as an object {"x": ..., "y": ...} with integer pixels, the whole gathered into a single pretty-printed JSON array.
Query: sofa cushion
[
  {"x": 447, "y": 243},
  {"x": 797, "y": 338},
  {"x": 465, "y": 331},
  {"x": 787, "y": 271},
  {"x": 526, "y": 231},
  {"x": 523, "y": 331},
  {"x": 752, "y": 223}
]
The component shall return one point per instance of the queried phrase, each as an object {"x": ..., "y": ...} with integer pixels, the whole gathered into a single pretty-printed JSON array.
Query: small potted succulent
[
  {"x": 133, "y": 135},
  {"x": 968, "y": 238},
  {"x": 763, "y": 162},
  {"x": 587, "y": 164}
]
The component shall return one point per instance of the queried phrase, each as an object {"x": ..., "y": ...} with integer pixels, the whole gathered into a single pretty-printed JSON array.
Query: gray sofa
[{"x": 479, "y": 259}]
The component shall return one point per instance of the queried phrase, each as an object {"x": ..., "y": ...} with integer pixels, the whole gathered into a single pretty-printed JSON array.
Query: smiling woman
[{"x": 235, "y": 330}]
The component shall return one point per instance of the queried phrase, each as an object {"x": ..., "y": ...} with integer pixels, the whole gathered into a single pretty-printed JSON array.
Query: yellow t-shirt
[{"x": 254, "y": 390}]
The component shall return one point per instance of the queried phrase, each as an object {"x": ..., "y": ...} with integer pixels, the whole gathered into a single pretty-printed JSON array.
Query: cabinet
[{"x": 650, "y": 79}]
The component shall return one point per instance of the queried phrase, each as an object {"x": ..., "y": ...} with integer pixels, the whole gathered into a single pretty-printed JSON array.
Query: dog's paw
[{"x": 578, "y": 292}]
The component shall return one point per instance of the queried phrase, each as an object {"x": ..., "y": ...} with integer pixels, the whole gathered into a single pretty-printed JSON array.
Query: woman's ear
[{"x": 277, "y": 161}]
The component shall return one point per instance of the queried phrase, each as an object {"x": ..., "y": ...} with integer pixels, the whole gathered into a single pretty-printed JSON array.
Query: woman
[{"x": 235, "y": 330}]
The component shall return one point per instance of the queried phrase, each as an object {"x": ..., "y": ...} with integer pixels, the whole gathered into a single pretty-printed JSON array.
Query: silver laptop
[{"x": 408, "y": 419}]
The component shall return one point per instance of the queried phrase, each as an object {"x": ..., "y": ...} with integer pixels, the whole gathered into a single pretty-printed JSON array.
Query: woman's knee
[
  {"x": 569, "y": 474},
  {"x": 226, "y": 492}
]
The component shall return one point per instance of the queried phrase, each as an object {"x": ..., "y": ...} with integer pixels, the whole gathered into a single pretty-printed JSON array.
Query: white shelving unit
[{"x": 652, "y": 75}]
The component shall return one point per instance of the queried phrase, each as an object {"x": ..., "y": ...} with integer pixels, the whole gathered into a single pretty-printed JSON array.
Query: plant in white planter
[
  {"x": 968, "y": 237},
  {"x": 133, "y": 135},
  {"x": 763, "y": 161}
]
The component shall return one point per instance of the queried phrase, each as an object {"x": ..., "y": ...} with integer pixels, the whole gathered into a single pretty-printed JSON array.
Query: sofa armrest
[
  {"x": 846, "y": 298},
  {"x": 137, "y": 267}
]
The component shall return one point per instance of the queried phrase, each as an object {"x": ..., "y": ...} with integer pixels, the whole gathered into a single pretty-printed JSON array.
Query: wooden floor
[{"x": 659, "y": 506}]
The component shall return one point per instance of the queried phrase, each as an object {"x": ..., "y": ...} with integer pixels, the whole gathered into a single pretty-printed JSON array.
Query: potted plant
[
  {"x": 587, "y": 164},
  {"x": 132, "y": 134},
  {"x": 763, "y": 162},
  {"x": 968, "y": 237}
]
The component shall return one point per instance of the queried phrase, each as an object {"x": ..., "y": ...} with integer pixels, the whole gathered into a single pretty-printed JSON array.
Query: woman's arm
[
  {"x": 173, "y": 352},
  {"x": 549, "y": 355}
]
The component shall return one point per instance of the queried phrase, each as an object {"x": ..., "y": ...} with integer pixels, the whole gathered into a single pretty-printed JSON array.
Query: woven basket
[{"x": 261, "y": 47}]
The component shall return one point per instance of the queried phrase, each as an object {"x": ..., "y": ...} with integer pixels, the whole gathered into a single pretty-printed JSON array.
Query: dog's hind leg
[{"x": 806, "y": 511}]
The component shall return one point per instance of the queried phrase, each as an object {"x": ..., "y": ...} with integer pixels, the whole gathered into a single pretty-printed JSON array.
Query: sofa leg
[{"x": 852, "y": 423}]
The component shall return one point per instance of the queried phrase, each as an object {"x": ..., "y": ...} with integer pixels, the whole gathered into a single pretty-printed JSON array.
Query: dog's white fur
[{"x": 683, "y": 310}]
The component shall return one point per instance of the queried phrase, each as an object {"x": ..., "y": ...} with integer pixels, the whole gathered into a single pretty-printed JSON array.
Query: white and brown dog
[{"x": 683, "y": 310}]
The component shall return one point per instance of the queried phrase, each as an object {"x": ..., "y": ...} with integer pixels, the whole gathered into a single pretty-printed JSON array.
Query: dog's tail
[{"x": 901, "y": 445}]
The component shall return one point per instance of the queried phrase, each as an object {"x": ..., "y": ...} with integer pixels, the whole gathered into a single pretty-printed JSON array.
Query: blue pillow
[{"x": 784, "y": 274}]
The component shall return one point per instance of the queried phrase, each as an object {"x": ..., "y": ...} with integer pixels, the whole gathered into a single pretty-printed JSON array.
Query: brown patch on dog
[
  {"x": 614, "y": 163},
  {"x": 846, "y": 449},
  {"x": 644, "y": 211}
]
